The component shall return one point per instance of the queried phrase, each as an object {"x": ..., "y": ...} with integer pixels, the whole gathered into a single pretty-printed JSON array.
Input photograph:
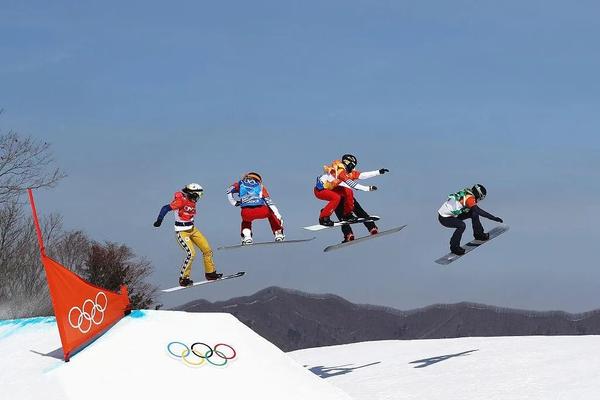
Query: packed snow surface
[
  {"x": 507, "y": 368},
  {"x": 131, "y": 361}
]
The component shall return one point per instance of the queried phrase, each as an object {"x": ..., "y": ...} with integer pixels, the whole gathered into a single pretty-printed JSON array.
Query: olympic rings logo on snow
[
  {"x": 202, "y": 352},
  {"x": 91, "y": 313}
]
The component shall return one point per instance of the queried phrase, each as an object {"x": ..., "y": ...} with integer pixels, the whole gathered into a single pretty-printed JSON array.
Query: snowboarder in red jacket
[
  {"x": 184, "y": 203},
  {"x": 336, "y": 187}
]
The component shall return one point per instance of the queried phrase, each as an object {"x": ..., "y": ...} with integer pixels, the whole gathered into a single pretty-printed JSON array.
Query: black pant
[
  {"x": 460, "y": 226},
  {"x": 359, "y": 212}
]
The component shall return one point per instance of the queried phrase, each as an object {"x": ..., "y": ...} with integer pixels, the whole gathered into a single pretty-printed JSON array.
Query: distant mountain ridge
[{"x": 293, "y": 320}]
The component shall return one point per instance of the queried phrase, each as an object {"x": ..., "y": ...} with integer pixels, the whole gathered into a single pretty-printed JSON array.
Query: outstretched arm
[
  {"x": 163, "y": 211},
  {"x": 349, "y": 183},
  {"x": 371, "y": 174},
  {"x": 485, "y": 214}
]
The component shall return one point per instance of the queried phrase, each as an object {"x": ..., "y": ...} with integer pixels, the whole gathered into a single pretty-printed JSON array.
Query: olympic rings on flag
[
  {"x": 84, "y": 318},
  {"x": 184, "y": 352}
]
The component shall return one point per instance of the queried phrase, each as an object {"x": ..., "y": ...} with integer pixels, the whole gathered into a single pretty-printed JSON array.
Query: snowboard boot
[
  {"x": 325, "y": 221},
  {"x": 212, "y": 276},
  {"x": 348, "y": 238},
  {"x": 374, "y": 231},
  {"x": 350, "y": 218},
  {"x": 185, "y": 282},
  {"x": 459, "y": 251},
  {"x": 482, "y": 236},
  {"x": 247, "y": 237},
  {"x": 279, "y": 236}
]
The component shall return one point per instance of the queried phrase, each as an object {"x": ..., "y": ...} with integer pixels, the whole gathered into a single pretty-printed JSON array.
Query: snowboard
[
  {"x": 472, "y": 245},
  {"x": 237, "y": 246},
  {"x": 363, "y": 239},
  {"x": 319, "y": 227},
  {"x": 225, "y": 277}
]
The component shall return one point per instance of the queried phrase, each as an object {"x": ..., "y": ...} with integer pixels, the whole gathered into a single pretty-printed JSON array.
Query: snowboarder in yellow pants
[
  {"x": 187, "y": 240},
  {"x": 187, "y": 234}
]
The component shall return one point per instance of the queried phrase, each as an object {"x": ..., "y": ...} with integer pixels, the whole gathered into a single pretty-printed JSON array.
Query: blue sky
[{"x": 140, "y": 98}]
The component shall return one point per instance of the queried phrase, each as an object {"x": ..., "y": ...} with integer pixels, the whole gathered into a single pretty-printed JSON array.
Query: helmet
[
  {"x": 479, "y": 191},
  {"x": 349, "y": 162},
  {"x": 253, "y": 175},
  {"x": 193, "y": 191}
]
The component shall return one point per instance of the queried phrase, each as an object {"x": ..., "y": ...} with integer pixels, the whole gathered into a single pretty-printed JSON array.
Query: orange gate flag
[{"x": 83, "y": 311}]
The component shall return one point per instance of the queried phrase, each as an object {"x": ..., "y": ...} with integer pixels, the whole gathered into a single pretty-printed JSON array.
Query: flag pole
[{"x": 36, "y": 223}]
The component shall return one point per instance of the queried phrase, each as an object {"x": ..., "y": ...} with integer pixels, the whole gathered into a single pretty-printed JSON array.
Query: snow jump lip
[{"x": 131, "y": 359}]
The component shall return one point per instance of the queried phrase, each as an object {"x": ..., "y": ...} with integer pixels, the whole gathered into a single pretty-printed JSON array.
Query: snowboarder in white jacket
[{"x": 464, "y": 205}]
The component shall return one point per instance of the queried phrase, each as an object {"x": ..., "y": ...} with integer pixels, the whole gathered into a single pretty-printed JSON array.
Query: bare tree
[
  {"x": 28, "y": 163},
  {"x": 110, "y": 265},
  {"x": 25, "y": 163},
  {"x": 72, "y": 250},
  {"x": 23, "y": 289}
]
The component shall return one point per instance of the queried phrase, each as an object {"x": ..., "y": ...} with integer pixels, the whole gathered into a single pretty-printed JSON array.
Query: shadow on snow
[
  {"x": 426, "y": 362},
  {"x": 328, "y": 372}
]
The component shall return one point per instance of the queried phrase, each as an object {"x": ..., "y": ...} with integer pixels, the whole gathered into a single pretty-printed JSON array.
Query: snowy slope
[
  {"x": 131, "y": 361},
  {"x": 533, "y": 367}
]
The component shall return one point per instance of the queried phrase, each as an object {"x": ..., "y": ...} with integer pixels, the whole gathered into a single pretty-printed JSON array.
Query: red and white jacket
[
  {"x": 186, "y": 210},
  {"x": 336, "y": 175}
]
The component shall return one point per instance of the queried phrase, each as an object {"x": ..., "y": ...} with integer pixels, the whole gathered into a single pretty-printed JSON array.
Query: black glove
[
  {"x": 157, "y": 223},
  {"x": 383, "y": 171},
  {"x": 372, "y": 188},
  {"x": 497, "y": 219}
]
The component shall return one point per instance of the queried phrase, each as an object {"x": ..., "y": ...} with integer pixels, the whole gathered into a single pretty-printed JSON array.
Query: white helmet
[{"x": 193, "y": 191}]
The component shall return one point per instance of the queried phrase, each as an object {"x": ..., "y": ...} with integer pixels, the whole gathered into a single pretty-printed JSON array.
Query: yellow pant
[{"x": 187, "y": 240}]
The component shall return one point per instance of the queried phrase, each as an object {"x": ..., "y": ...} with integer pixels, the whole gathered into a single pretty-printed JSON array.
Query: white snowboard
[
  {"x": 176, "y": 288},
  {"x": 238, "y": 246},
  {"x": 319, "y": 227}
]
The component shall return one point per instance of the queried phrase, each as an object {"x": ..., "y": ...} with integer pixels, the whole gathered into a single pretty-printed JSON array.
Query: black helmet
[
  {"x": 349, "y": 161},
  {"x": 479, "y": 191}
]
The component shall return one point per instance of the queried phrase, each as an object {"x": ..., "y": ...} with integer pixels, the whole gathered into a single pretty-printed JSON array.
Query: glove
[
  {"x": 383, "y": 171},
  {"x": 237, "y": 203},
  {"x": 372, "y": 188},
  {"x": 157, "y": 223},
  {"x": 498, "y": 220}
]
